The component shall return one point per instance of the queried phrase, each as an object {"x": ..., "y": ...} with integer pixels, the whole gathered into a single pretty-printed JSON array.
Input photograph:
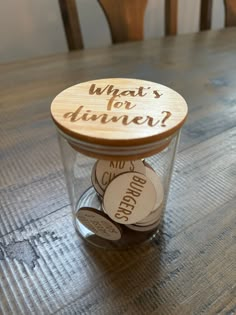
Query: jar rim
[{"x": 108, "y": 152}]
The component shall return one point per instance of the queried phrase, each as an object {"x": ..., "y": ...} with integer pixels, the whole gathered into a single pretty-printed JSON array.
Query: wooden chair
[
  {"x": 206, "y": 13},
  {"x": 125, "y": 19}
]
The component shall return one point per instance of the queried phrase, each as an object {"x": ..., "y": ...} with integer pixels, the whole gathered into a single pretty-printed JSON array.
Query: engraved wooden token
[
  {"x": 129, "y": 198},
  {"x": 97, "y": 222},
  {"x": 108, "y": 170},
  {"x": 118, "y": 112},
  {"x": 152, "y": 175},
  {"x": 94, "y": 181},
  {"x": 151, "y": 218},
  {"x": 143, "y": 228}
]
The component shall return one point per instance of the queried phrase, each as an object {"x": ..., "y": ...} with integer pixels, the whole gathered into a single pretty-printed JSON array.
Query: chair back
[
  {"x": 125, "y": 19},
  {"x": 206, "y": 14}
]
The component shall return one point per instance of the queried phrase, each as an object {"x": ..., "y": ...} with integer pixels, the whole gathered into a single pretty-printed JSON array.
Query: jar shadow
[{"x": 127, "y": 271}]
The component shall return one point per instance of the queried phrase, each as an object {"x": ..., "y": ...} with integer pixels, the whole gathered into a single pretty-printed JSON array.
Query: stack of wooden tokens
[{"x": 131, "y": 195}]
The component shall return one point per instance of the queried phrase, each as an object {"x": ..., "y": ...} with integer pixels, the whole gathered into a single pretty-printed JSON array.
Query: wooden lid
[{"x": 119, "y": 112}]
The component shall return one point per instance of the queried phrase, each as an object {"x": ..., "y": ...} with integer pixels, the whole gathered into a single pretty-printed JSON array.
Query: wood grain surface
[
  {"x": 119, "y": 112},
  {"x": 190, "y": 269}
]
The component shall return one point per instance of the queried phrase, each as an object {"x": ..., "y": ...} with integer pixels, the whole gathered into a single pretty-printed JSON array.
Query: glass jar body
[{"x": 87, "y": 191}]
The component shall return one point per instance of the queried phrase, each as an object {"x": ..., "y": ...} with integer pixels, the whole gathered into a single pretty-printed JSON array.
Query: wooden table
[{"x": 44, "y": 267}]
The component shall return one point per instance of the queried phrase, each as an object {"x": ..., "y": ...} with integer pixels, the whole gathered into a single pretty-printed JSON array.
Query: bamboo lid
[{"x": 119, "y": 112}]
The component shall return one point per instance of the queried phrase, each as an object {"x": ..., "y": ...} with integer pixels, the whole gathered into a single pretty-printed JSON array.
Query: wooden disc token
[
  {"x": 152, "y": 175},
  {"x": 94, "y": 181},
  {"x": 102, "y": 208},
  {"x": 129, "y": 198},
  {"x": 97, "y": 222},
  {"x": 143, "y": 228},
  {"x": 108, "y": 170},
  {"x": 151, "y": 218}
]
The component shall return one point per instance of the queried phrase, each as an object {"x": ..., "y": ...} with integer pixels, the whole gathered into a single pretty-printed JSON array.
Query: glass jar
[{"x": 118, "y": 139}]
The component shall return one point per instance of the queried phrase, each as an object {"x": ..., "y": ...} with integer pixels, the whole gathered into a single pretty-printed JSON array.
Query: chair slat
[
  {"x": 205, "y": 15},
  {"x": 171, "y": 10},
  {"x": 71, "y": 24},
  {"x": 125, "y": 19}
]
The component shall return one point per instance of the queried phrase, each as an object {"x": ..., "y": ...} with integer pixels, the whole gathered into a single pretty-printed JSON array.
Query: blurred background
[{"x": 31, "y": 28}]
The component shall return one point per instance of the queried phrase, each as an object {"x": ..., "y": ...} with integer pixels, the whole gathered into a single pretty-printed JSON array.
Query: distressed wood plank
[{"x": 55, "y": 272}]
